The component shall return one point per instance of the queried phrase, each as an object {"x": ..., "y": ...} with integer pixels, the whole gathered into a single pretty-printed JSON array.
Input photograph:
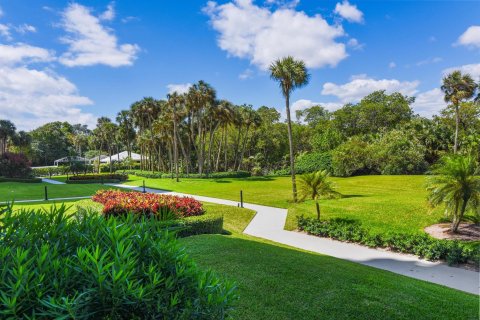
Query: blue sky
[{"x": 75, "y": 61}]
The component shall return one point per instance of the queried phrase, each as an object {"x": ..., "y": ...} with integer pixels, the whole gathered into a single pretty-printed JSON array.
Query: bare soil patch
[{"x": 466, "y": 232}]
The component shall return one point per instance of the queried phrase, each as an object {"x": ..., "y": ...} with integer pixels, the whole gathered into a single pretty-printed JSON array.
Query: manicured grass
[
  {"x": 279, "y": 282},
  {"x": 32, "y": 191},
  {"x": 380, "y": 203}
]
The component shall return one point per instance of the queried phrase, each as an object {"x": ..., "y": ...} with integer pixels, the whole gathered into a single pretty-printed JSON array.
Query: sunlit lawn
[{"x": 381, "y": 203}]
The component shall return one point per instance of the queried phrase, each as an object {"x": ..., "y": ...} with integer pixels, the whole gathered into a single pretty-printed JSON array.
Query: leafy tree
[
  {"x": 7, "y": 130},
  {"x": 51, "y": 141},
  {"x": 316, "y": 186},
  {"x": 456, "y": 183},
  {"x": 457, "y": 87},
  {"x": 313, "y": 116},
  {"x": 351, "y": 158},
  {"x": 290, "y": 74}
]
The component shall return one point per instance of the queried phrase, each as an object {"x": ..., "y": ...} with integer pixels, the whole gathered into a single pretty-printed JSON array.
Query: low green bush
[
  {"x": 25, "y": 180},
  {"x": 48, "y": 171},
  {"x": 108, "y": 176},
  {"x": 90, "y": 267},
  {"x": 424, "y": 246}
]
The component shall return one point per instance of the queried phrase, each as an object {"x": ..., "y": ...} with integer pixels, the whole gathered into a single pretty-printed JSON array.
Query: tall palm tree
[
  {"x": 457, "y": 87},
  {"x": 316, "y": 186},
  {"x": 7, "y": 130},
  {"x": 456, "y": 183},
  {"x": 290, "y": 74},
  {"x": 174, "y": 100}
]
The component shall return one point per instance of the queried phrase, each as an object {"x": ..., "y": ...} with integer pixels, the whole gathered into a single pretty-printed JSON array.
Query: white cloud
[
  {"x": 355, "y": 44},
  {"x": 109, "y": 14},
  {"x": 302, "y": 104},
  {"x": 472, "y": 69},
  {"x": 91, "y": 43},
  {"x": 471, "y": 37},
  {"x": 392, "y": 65},
  {"x": 429, "y": 103},
  {"x": 5, "y": 32},
  {"x": 349, "y": 12},
  {"x": 361, "y": 85},
  {"x": 179, "y": 88},
  {"x": 31, "y": 98},
  {"x": 246, "y": 74},
  {"x": 25, "y": 28},
  {"x": 23, "y": 53},
  {"x": 429, "y": 61},
  {"x": 261, "y": 35}
]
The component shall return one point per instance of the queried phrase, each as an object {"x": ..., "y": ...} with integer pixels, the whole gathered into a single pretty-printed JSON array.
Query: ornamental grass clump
[
  {"x": 56, "y": 266},
  {"x": 119, "y": 203}
]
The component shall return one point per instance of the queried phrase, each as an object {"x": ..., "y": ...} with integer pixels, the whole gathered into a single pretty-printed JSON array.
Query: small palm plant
[
  {"x": 316, "y": 186},
  {"x": 456, "y": 183}
]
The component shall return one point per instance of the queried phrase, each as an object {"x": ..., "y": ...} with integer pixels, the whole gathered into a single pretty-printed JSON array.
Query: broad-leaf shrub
[
  {"x": 14, "y": 165},
  {"x": 312, "y": 162},
  {"x": 99, "y": 177},
  {"x": 120, "y": 203},
  {"x": 213, "y": 175},
  {"x": 58, "y": 267},
  {"x": 421, "y": 245}
]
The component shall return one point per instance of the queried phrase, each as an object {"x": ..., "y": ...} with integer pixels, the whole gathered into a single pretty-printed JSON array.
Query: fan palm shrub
[
  {"x": 316, "y": 186},
  {"x": 456, "y": 184}
]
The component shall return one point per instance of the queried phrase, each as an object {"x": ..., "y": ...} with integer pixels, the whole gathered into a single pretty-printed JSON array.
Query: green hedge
[
  {"x": 58, "y": 267},
  {"x": 162, "y": 175},
  {"x": 424, "y": 246},
  {"x": 204, "y": 224},
  {"x": 25, "y": 180}
]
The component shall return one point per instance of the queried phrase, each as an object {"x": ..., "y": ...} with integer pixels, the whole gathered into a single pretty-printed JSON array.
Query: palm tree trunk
[
  {"x": 318, "y": 209},
  {"x": 457, "y": 218},
  {"x": 175, "y": 147},
  {"x": 242, "y": 153},
  {"x": 290, "y": 142},
  {"x": 457, "y": 123}
]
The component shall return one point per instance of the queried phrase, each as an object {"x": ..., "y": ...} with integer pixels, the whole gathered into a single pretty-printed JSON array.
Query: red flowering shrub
[{"x": 119, "y": 202}]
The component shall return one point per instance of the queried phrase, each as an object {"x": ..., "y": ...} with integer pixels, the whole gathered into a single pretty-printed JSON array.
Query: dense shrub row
[
  {"x": 48, "y": 171},
  {"x": 97, "y": 177},
  {"x": 203, "y": 224},
  {"x": 58, "y": 267},
  {"x": 213, "y": 175},
  {"x": 421, "y": 245},
  {"x": 24, "y": 180},
  {"x": 118, "y": 203}
]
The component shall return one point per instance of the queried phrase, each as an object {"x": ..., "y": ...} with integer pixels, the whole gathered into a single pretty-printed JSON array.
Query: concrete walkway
[
  {"x": 52, "y": 181},
  {"x": 269, "y": 224}
]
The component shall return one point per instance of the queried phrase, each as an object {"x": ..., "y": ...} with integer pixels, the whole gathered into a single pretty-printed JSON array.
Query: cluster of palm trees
[
  {"x": 8, "y": 133},
  {"x": 186, "y": 133}
]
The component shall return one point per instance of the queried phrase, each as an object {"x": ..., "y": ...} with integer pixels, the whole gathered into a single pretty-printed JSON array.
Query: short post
[
  {"x": 144, "y": 186},
  {"x": 46, "y": 193},
  {"x": 241, "y": 198}
]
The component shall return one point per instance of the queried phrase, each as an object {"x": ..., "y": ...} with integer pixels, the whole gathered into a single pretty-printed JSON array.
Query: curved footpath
[{"x": 269, "y": 222}]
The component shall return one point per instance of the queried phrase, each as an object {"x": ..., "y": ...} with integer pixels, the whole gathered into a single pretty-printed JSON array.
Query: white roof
[{"x": 122, "y": 156}]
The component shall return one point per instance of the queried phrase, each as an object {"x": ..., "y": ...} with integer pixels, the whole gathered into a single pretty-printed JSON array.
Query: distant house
[
  {"x": 122, "y": 156},
  {"x": 92, "y": 160},
  {"x": 67, "y": 160}
]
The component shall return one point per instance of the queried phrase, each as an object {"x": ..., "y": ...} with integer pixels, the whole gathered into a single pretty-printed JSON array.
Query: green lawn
[
  {"x": 381, "y": 203},
  {"x": 279, "y": 282},
  {"x": 32, "y": 191}
]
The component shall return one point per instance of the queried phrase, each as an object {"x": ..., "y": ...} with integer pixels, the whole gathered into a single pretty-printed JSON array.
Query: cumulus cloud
[
  {"x": 25, "y": 28},
  {"x": 31, "y": 97},
  {"x": 246, "y": 74},
  {"x": 361, "y": 85},
  {"x": 349, "y": 12},
  {"x": 179, "y": 88},
  {"x": 429, "y": 61},
  {"x": 470, "y": 38},
  {"x": 90, "y": 43},
  {"x": 23, "y": 53},
  {"x": 5, "y": 32},
  {"x": 302, "y": 104},
  {"x": 472, "y": 69},
  {"x": 429, "y": 103},
  {"x": 263, "y": 35},
  {"x": 108, "y": 14}
]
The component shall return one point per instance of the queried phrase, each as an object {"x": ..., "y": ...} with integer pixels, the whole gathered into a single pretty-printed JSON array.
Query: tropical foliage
[
  {"x": 456, "y": 184},
  {"x": 316, "y": 186},
  {"x": 119, "y": 203}
]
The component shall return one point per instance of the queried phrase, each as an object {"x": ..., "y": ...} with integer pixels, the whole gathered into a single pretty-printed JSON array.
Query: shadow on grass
[{"x": 346, "y": 196}]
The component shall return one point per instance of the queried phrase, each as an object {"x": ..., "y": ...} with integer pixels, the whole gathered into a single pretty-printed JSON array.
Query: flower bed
[{"x": 119, "y": 203}]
